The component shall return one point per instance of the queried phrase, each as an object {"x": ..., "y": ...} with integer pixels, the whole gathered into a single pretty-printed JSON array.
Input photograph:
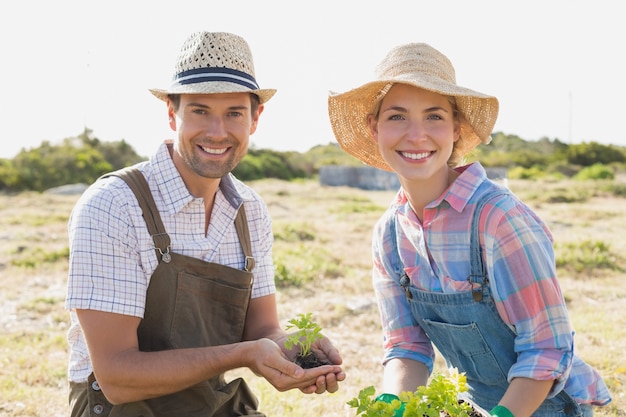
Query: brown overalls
[{"x": 190, "y": 303}]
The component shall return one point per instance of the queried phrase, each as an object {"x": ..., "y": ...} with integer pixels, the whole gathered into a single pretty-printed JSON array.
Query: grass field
[{"x": 322, "y": 256}]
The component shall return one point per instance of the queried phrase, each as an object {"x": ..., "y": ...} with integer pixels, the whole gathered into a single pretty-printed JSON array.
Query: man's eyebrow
[
  {"x": 194, "y": 104},
  {"x": 239, "y": 107},
  {"x": 204, "y": 106}
]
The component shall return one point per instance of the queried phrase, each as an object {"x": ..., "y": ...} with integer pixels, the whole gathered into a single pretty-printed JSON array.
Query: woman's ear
[
  {"x": 373, "y": 125},
  {"x": 457, "y": 130}
]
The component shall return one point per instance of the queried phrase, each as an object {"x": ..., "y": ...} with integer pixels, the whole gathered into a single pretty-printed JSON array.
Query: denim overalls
[
  {"x": 468, "y": 331},
  {"x": 190, "y": 303}
]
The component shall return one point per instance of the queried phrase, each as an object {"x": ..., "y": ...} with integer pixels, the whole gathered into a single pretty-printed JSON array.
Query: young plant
[
  {"x": 308, "y": 333},
  {"x": 439, "y": 398},
  {"x": 368, "y": 405}
]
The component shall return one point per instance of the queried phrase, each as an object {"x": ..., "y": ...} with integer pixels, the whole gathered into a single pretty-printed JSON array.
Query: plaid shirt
[
  {"x": 519, "y": 256},
  {"x": 112, "y": 255}
]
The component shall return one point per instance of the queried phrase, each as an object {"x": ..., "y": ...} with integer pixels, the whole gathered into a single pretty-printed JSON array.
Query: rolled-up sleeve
[
  {"x": 528, "y": 296},
  {"x": 402, "y": 336}
]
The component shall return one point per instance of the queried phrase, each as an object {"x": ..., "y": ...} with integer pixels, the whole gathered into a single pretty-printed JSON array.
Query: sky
[{"x": 556, "y": 66}]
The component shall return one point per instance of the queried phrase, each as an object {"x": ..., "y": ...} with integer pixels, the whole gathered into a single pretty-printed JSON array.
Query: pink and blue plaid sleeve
[
  {"x": 528, "y": 296},
  {"x": 402, "y": 336}
]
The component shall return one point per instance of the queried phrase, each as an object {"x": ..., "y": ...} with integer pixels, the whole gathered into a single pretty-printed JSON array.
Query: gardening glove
[
  {"x": 501, "y": 411},
  {"x": 389, "y": 398}
]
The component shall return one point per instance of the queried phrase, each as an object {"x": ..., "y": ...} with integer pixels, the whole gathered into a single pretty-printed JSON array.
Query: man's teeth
[
  {"x": 214, "y": 151},
  {"x": 415, "y": 155}
]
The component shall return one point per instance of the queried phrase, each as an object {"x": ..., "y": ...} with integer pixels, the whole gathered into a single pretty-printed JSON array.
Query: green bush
[
  {"x": 595, "y": 172},
  {"x": 617, "y": 189},
  {"x": 296, "y": 265},
  {"x": 585, "y": 256},
  {"x": 587, "y": 154},
  {"x": 83, "y": 158},
  {"x": 80, "y": 159},
  {"x": 263, "y": 163},
  {"x": 532, "y": 173}
]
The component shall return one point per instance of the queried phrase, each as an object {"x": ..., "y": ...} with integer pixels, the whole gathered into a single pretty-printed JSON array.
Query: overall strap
[
  {"x": 138, "y": 184},
  {"x": 241, "y": 225},
  {"x": 478, "y": 271}
]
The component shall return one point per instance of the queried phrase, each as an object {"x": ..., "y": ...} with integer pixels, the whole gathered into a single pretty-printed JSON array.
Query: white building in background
[{"x": 370, "y": 178}]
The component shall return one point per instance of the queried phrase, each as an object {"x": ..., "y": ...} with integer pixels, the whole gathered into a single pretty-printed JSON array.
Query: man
[{"x": 171, "y": 282}]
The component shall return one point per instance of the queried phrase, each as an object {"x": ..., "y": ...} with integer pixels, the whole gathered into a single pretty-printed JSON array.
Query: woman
[{"x": 487, "y": 299}]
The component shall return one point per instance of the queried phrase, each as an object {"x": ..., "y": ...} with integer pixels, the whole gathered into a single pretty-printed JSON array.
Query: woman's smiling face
[{"x": 415, "y": 130}]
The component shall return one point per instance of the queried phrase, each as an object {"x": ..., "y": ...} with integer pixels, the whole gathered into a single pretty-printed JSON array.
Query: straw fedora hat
[
  {"x": 214, "y": 62},
  {"x": 419, "y": 65}
]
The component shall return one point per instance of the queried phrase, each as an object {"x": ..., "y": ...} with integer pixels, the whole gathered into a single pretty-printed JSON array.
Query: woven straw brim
[
  {"x": 212, "y": 88},
  {"x": 348, "y": 116}
]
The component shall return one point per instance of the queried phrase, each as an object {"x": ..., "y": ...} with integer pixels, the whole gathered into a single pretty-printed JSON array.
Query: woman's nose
[{"x": 416, "y": 130}]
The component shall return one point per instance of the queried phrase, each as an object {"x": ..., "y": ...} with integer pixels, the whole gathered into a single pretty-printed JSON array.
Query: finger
[
  {"x": 327, "y": 351},
  {"x": 309, "y": 389},
  {"x": 290, "y": 369},
  {"x": 334, "y": 356},
  {"x": 341, "y": 376},
  {"x": 316, "y": 372},
  {"x": 330, "y": 383},
  {"x": 320, "y": 385}
]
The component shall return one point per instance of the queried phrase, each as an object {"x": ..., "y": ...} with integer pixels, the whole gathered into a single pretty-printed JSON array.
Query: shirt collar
[
  {"x": 464, "y": 187},
  {"x": 460, "y": 191}
]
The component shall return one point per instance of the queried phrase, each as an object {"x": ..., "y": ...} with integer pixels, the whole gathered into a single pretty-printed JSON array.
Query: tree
[
  {"x": 79, "y": 159},
  {"x": 587, "y": 154}
]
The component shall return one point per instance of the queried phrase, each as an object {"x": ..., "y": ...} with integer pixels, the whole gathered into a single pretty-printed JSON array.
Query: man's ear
[
  {"x": 171, "y": 114},
  {"x": 255, "y": 118}
]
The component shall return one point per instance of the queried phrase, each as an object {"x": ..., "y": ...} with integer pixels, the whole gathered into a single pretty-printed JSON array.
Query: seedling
[
  {"x": 438, "y": 398},
  {"x": 308, "y": 333}
]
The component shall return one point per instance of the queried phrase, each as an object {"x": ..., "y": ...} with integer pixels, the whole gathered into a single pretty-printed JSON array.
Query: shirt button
[
  {"x": 98, "y": 409},
  {"x": 95, "y": 386}
]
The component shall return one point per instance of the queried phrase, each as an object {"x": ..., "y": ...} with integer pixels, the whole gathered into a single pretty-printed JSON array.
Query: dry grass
[{"x": 337, "y": 222}]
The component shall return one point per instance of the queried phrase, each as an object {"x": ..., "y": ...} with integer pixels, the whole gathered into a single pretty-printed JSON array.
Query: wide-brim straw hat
[
  {"x": 419, "y": 65},
  {"x": 214, "y": 62}
]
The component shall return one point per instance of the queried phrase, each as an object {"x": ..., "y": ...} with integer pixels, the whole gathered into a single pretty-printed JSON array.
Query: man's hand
[
  {"x": 326, "y": 352},
  {"x": 269, "y": 361}
]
